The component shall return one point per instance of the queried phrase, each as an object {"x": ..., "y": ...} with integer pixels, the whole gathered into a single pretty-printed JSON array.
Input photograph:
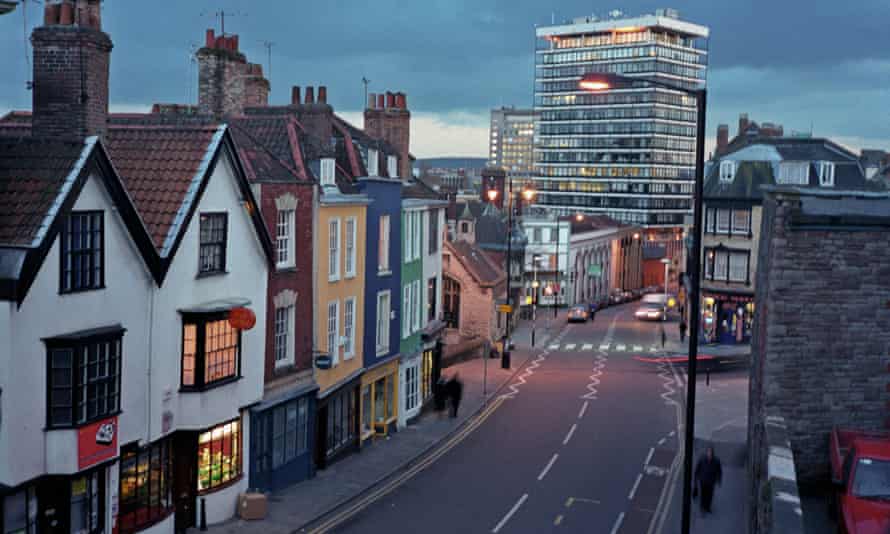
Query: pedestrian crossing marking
[
  {"x": 604, "y": 347},
  {"x": 620, "y": 348},
  {"x": 637, "y": 348},
  {"x": 653, "y": 349},
  {"x": 555, "y": 346},
  {"x": 570, "y": 346},
  {"x": 586, "y": 346}
]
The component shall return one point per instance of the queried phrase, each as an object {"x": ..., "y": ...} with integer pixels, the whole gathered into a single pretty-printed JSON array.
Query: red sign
[
  {"x": 96, "y": 442},
  {"x": 242, "y": 318}
]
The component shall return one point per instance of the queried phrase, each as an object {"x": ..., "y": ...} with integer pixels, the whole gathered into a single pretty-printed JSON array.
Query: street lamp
[
  {"x": 535, "y": 259},
  {"x": 528, "y": 193},
  {"x": 605, "y": 81},
  {"x": 492, "y": 195},
  {"x": 667, "y": 265}
]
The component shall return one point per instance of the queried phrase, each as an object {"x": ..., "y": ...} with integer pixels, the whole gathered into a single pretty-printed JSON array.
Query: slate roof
[
  {"x": 477, "y": 263},
  {"x": 32, "y": 175},
  {"x": 416, "y": 188},
  {"x": 265, "y": 148},
  {"x": 15, "y": 124}
]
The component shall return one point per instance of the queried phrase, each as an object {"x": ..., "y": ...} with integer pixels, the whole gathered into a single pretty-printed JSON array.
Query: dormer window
[
  {"x": 392, "y": 164},
  {"x": 727, "y": 171},
  {"x": 373, "y": 162},
  {"x": 793, "y": 173},
  {"x": 826, "y": 173},
  {"x": 327, "y": 171}
]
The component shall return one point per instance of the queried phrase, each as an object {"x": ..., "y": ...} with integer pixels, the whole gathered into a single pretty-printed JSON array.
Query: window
[
  {"x": 723, "y": 221},
  {"x": 451, "y": 302},
  {"x": 412, "y": 399},
  {"x": 334, "y": 330},
  {"x": 146, "y": 485},
  {"x": 82, "y": 252},
  {"x": 727, "y": 171},
  {"x": 392, "y": 166},
  {"x": 382, "y": 331},
  {"x": 366, "y": 410},
  {"x": 87, "y": 502},
  {"x": 721, "y": 263},
  {"x": 536, "y": 235},
  {"x": 554, "y": 234},
  {"x": 349, "y": 328},
  {"x": 284, "y": 238},
  {"x": 409, "y": 228},
  {"x": 284, "y": 350},
  {"x": 212, "y": 256},
  {"x": 373, "y": 162},
  {"x": 333, "y": 250},
  {"x": 741, "y": 221},
  {"x": 341, "y": 421},
  {"x": 406, "y": 311},
  {"x": 434, "y": 232},
  {"x": 709, "y": 264},
  {"x": 826, "y": 174},
  {"x": 327, "y": 171},
  {"x": 350, "y": 247},
  {"x": 219, "y": 455},
  {"x": 281, "y": 434},
  {"x": 417, "y": 310},
  {"x": 417, "y": 235},
  {"x": 464, "y": 227},
  {"x": 431, "y": 293},
  {"x": 738, "y": 267},
  {"x": 793, "y": 173},
  {"x": 84, "y": 378},
  {"x": 20, "y": 512},
  {"x": 426, "y": 382},
  {"x": 383, "y": 245},
  {"x": 211, "y": 350}
]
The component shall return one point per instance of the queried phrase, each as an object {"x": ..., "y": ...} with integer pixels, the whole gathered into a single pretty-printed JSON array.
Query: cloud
[{"x": 442, "y": 134}]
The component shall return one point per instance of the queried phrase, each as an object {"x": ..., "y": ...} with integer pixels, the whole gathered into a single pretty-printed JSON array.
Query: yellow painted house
[{"x": 339, "y": 304}]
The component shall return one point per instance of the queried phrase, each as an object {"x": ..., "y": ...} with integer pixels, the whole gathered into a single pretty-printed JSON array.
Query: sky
[{"x": 817, "y": 65}]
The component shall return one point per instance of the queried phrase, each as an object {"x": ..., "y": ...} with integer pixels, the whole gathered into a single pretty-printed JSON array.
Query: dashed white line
[
  {"x": 633, "y": 490},
  {"x": 638, "y": 348},
  {"x": 653, "y": 349},
  {"x": 554, "y": 346},
  {"x": 671, "y": 433},
  {"x": 586, "y": 346},
  {"x": 583, "y": 409},
  {"x": 569, "y": 435},
  {"x": 620, "y": 348},
  {"x": 618, "y": 523},
  {"x": 512, "y": 511},
  {"x": 571, "y": 346},
  {"x": 649, "y": 456},
  {"x": 661, "y": 441},
  {"x": 604, "y": 347},
  {"x": 548, "y": 466}
]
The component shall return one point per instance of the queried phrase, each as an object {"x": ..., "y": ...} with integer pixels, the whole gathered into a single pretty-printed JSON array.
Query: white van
[{"x": 656, "y": 298}]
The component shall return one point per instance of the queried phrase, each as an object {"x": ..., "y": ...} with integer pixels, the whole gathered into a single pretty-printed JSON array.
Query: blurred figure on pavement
[
  {"x": 455, "y": 389},
  {"x": 708, "y": 473}
]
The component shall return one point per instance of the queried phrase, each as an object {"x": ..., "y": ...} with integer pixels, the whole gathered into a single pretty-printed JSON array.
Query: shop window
[
  {"x": 219, "y": 456},
  {"x": 82, "y": 252},
  {"x": 146, "y": 486},
  {"x": 83, "y": 378},
  {"x": 281, "y": 434},
  {"x": 211, "y": 350},
  {"x": 20, "y": 512},
  {"x": 341, "y": 421},
  {"x": 212, "y": 253},
  {"x": 411, "y": 382},
  {"x": 427, "y": 375},
  {"x": 88, "y": 503},
  {"x": 366, "y": 410}
]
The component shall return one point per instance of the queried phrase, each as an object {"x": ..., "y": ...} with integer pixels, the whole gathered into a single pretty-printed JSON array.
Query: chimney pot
[
  {"x": 234, "y": 43},
  {"x": 310, "y": 94},
  {"x": 390, "y": 100},
  {"x": 66, "y": 14},
  {"x": 322, "y": 94},
  {"x": 295, "y": 95},
  {"x": 95, "y": 14},
  {"x": 372, "y": 99},
  {"x": 380, "y": 98},
  {"x": 400, "y": 100},
  {"x": 51, "y": 14},
  {"x": 81, "y": 13},
  {"x": 209, "y": 39},
  {"x": 404, "y": 101}
]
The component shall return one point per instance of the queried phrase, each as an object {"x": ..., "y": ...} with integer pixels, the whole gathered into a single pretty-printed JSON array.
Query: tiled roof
[
  {"x": 33, "y": 173},
  {"x": 594, "y": 222},
  {"x": 15, "y": 124},
  {"x": 161, "y": 167},
  {"x": 477, "y": 263},
  {"x": 418, "y": 189},
  {"x": 260, "y": 141}
]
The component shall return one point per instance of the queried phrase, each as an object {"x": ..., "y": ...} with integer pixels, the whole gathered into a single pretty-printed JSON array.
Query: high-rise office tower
[
  {"x": 628, "y": 153},
  {"x": 511, "y": 141}
]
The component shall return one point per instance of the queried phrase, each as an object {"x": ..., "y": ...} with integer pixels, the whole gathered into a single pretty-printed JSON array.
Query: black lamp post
[{"x": 604, "y": 82}]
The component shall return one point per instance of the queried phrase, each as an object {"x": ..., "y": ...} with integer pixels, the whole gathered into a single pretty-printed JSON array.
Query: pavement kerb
[{"x": 424, "y": 452}]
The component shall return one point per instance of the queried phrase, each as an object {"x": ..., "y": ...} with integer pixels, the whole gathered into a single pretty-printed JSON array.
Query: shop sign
[
  {"x": 242, "y": 318},
  {"x": 594, "y": 270},
  {"x": 505, "y": 308},
  {"x": 96, "y": 442},
  {"x": 323, "y": 361}
]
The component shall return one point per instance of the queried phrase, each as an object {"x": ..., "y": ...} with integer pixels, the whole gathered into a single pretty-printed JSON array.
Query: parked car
[
  {"x": 649, "y": 312},
  {"x": 578, "y": 314},
  {"x": 616, "y": 297},
  {"x": 860, "y": 473}
]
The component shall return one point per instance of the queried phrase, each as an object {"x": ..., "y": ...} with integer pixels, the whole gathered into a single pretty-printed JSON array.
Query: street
[{"x": 581, "y": 442}]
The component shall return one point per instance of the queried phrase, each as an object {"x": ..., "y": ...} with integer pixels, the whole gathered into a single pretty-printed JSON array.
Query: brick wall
[
  {"x": 477, "y": 307},
  {"x": 390, "y": 120},
  {"x": 821, "y": 342}
]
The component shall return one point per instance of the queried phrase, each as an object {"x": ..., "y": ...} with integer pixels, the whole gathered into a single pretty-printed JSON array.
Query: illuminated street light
[
  {"x": 579, "y": 217},
  {"x": 492, "y": 194}
]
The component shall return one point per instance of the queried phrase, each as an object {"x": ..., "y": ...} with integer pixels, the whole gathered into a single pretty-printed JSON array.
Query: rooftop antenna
[
  {"x": 221, "y": 15},
  {"x": 268, "y": 45},
  {"x": 193, "y": 48},
  {"x": 365, "y": 81}
]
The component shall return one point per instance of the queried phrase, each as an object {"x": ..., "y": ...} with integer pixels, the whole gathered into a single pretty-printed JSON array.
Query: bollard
[
  {"x": 203, "y": 514},
  {"x": 505, "y": 360},
  {"x": 533, "y": 337}
]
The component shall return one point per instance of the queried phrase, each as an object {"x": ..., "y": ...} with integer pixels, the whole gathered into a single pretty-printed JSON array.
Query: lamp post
[
  {"x": 667, "y": 265},
  {"x": 535, "y": 259},
  {"x": 605, "y": 81}
]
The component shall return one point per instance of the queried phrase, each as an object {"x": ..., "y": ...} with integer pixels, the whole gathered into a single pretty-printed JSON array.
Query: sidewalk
[
  {"x": 292, "y": 508},
  {"x": 675, "y": 346}
]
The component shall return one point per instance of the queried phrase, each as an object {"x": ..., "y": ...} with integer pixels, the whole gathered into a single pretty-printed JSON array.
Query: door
[
  {"x": 185, "y": 479},
  {"x": 321, "y": 437}
]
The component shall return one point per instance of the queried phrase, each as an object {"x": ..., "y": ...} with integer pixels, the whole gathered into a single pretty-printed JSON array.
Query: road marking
[
  {"x": 633, "y": 490},
  {"x": 512, "y": 511},
  {"x": 571, "y": 346},
  {"x": 548, "y": 466},
  {"x": 569, "y": 435},
  {"x": 557, "y": 521},
  {"x": 583, "y": 409},
  {"x": 604, "y": 347},
  {"x": 554, "y": 346},
  {"x": 638, "y": 348},
  {"x": 653, "y": 349},
  {"x": 671, "y": 433},
  {"x": 571, "y": 500},
  {"x": 620, "y": 348},
  {"x": 618, "y": 523},
  {"x": 587, "y": 346},
  {"x": 661, "y": 441},
  {"x": 649, "y": 457}
]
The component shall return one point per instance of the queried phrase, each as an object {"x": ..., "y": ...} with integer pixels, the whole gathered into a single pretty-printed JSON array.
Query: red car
[{"x": 860, "y": 473}]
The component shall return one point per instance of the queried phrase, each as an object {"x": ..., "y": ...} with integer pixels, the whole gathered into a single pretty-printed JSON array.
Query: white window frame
[
  {"x": 333, "y": 334},
  {"x": 351, "y": 232},
  {"x": 418, "y": 307},
  {"x": 710, "y": 217},
  {"x": 284, "y": 239},
  {"x": 418, "y": 234},
  {"x": 383, "y": 244},
  {"x": 349, "y": 322},
  {"x": 741, "y": 274},
  {"x": 723, "y": 228},
  {"x": 412, "y": 383},
  {"x": 373, "y": 162},
  {"x": 286, "y": 336},
  {"x": 727, "y": 171},
  {"x": 721, "y": 275},
  {"x": 793, "y": 173},
  {"x": 826, "y": 173},
  {"x": 406, "y": 311},
  {"x": 407, "y": 247},
  {"x": 381, "y": 332},
  {"x": 392, "y": 166},
  {"x": 333, "y": 249},
  {"x": 747, "y": 226},
  {"x": 328, "y": 171}
]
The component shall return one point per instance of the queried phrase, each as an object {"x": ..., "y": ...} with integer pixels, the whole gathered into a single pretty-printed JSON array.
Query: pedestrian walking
[
  {"x": 663, "y": 336},
  {"x": 439, "y": 396},
  {"x": 682, "y": 330},
  {"x": 455, "y": 389},
  {"x": 708, "y": 473}
]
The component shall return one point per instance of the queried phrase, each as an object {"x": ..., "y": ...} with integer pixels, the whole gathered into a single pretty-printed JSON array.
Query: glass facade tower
[{"x": 627, "y": 152}]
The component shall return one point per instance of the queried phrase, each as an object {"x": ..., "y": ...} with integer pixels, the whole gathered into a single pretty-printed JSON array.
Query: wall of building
[
  {"x": 432, "y": 264},
  {"x": 738, "y": 243},
  {"x": 411, "y": 271},
  {"x": 477, "y": 306}
]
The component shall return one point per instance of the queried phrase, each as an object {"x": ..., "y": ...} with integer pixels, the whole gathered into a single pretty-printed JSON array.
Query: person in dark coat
[
  {"x": 439, "y": 395},
  {"x": 455, "y": 389},
  {"x": 663, "y": 336},
  {"x": 682, "y": 330},
  {"x": 708, "y": 472}
]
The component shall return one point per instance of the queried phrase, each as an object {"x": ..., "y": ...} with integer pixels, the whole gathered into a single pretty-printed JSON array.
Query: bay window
[
  {"x": 146, "y": 485},
  {"x": 219, "y": 455},
  {"x": 20, "y": 512},
  {"x": 211, "y": 350}
]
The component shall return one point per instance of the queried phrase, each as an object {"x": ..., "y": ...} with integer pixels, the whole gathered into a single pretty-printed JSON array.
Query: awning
[{"x": 213, "y": 306}]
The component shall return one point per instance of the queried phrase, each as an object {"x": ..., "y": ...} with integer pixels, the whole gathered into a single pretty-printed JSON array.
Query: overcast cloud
[{"x": 805, "y": 64}]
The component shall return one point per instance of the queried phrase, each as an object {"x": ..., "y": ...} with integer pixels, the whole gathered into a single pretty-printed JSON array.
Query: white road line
[
  {"x": 583, "y": 409},
  {"x": 512, "y": 511},
  {"x": 620, "y": 348},
  {"x": 570, "y": 346},
  {"x": 586, "y": 346},
  {"x": 569, "y": 435},
  {"x": 548, "y": 466},
  {"x": 555, "y": 346},
  {"x": 638, "y": 348},
  {"x": 661, "y": 441},
  {"x": 671, "y": 433},
  {"x": 653, "y": 349},
  {"x": 649, "y": 456},
  {"x": 604, "y": 347},
  {"x": 618, "y": 523},
  {"x": 633, "y": 490}
]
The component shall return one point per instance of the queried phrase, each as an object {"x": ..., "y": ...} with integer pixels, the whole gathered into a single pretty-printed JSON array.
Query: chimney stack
[
  {"x": 227, "y": 83},
  {"x": 322, "y": 94},
  {"x": 743, "y": 123},
  {"x": 390, "y": 121},
  {"x": 71, "y": 65},
  {"x": 722, "y": 137},
  {"x": 310, "y": 94},
  {"x": 295, "y": 95}
]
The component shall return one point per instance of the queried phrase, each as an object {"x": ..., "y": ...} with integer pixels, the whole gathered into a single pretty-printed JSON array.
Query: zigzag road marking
[{"x": 520, "y": 380}]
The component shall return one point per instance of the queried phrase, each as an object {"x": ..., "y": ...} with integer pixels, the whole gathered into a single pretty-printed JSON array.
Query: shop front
[
  {"x": 727, "y": 318},
  {"x": 337, "y": 422},
  {"x": 379, "y": 399}
]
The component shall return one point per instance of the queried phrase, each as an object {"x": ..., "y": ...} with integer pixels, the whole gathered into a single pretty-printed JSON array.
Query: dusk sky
[{"x": 817, "y": 63}]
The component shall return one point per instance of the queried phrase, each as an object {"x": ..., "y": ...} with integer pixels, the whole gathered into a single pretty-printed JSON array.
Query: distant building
[
  {"x": 747, "y": 131},
  {"x": 511, "y": 141}
]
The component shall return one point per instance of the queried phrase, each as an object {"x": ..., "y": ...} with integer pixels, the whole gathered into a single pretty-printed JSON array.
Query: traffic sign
[{"x": 505, "y": 308}]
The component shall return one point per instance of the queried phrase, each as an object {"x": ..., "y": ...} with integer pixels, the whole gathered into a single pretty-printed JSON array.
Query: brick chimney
[
  {"x": 722, "y": 137},
  {"x": 256, "y": 87},
  {"x": 743, "y": 123},
  {"x": 71, "y": 60},
  {"x": 390, "y": 120},
  {"x": 316, "y": 116},
  {"x": 227, "y": 83}
]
